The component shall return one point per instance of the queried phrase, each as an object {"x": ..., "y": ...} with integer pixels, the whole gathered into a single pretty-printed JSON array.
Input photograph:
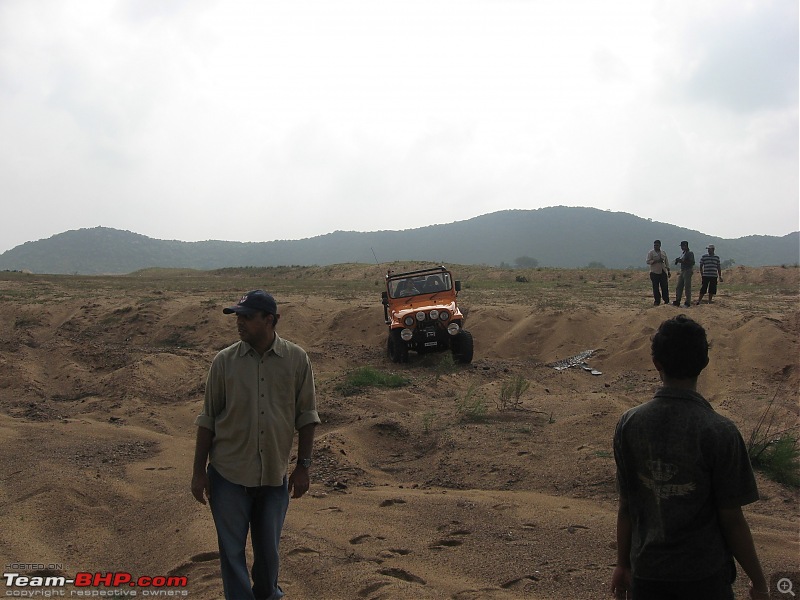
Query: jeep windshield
[{"x": 419, "y": 285}]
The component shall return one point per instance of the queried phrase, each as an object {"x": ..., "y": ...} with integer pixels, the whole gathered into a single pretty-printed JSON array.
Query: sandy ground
[{"x": 99, "y": 388}]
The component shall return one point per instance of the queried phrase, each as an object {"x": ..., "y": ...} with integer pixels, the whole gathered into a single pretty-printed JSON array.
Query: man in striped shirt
[{"x": 710, "y": 271}]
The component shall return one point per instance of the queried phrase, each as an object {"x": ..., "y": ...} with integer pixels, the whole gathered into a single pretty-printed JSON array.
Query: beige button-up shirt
[
  {"x": 253, "y": 404},
  {"x": 658, "y": 261}
]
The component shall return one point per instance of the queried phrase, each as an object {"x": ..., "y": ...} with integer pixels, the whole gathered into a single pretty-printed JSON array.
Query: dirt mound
[{"x": 438, "y": 489}]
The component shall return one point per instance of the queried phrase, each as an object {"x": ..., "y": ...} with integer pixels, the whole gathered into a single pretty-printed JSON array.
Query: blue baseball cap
[{"x": 253, "y": 302}]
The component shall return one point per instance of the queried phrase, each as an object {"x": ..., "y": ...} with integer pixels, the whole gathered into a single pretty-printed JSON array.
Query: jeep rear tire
[
  {"x": 398, "y": 349},
  {"x": 463, "y": 347}
]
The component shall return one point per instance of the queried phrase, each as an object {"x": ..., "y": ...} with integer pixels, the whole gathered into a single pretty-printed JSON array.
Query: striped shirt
[{"x": 709, "y": 265}]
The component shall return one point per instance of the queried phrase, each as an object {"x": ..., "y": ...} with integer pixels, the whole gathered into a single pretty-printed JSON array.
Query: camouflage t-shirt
[{"x": 678, "y": 461}]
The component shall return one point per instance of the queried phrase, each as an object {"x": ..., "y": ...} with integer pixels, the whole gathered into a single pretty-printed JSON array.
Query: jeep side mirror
[
  {"x": 384, "y": 297},
  {"x": 458, "y": 285}
]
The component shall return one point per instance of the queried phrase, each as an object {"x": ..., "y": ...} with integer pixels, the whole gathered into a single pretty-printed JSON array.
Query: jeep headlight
[
  {"x": 453, "y": 328},
  {"x": 421, "y": 316},
  {"x": 406, "y": 335},
  {"x": 434, "y": 314},
  {"x": 444, "y": 315},
  {"x": 409, "y": 321}
]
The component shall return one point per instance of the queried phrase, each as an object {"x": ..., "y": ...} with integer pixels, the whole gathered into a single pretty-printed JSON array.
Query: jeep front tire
[
  {"x": 462, "y": 347},
  {"x": 398, "y": 349}
]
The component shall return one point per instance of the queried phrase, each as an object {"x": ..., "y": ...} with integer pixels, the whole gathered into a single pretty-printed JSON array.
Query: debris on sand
[{"x": 579, "y": 360}]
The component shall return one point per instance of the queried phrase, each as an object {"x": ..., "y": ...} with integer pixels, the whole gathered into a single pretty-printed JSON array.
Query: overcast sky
[{"x": 257, "y": 121}]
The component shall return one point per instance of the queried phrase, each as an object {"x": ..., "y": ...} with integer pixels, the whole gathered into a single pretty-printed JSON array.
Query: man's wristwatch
[{"x": 304, "y": 462}]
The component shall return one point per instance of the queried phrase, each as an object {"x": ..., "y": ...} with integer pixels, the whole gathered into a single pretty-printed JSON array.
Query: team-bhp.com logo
[{"x": 112, "y": 584}]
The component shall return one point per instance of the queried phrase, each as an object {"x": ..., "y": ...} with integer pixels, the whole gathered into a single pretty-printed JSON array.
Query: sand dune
[{"x": 100, "y": 381}]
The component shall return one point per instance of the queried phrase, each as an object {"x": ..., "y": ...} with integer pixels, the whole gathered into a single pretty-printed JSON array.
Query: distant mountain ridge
[{"x": 566, "y": 237}]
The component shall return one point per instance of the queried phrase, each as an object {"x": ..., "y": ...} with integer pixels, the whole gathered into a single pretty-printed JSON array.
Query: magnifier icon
[{"x": 785, "y": 586}]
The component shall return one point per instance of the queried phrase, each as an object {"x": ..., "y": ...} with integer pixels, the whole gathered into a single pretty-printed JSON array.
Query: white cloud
[
  {"x": 741, "y": 57},
  {"x": 255, "y": 121}
]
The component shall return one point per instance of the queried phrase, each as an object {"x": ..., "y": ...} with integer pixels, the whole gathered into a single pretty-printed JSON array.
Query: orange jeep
[{"x": 421, "y": 311}]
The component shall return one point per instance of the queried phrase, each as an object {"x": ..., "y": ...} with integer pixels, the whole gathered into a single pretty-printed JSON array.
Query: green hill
[{"x": 549, "y": 237}]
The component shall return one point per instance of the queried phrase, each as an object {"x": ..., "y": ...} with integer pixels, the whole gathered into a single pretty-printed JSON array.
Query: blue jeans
[{"x": 262, "y": 510}]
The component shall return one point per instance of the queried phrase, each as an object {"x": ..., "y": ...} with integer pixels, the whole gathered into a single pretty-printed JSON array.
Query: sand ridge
[{"x": 99, "y": 389}]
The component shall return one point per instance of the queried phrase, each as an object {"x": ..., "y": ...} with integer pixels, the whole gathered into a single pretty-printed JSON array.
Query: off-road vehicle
[{"x": 422, "y": 314}]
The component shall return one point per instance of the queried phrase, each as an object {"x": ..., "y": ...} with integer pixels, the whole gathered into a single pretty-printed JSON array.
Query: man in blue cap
[{"x": 258, "y": 392}]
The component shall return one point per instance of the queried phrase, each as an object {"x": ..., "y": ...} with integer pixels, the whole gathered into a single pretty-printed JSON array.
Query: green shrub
[
  {"x": 445, "y": 366},
  {"x": 510, "y": 392},
  {"x": 775, "y": 453},
  {"x": 779, "y": 459},
  {"x": 471, "y": 406},
  {"x": 359, "y": 379},
  {"x": 427, "y": 421}
]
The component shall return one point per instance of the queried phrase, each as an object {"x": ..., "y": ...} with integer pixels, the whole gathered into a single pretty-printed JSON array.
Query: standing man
[
  {"x": 710, "y": 271},
  {"x": 258, "y": 391},
  {"x": 683, "y": 475},
  {"x": 686, "y": 261},
  {"x": 659, "y": 272}
]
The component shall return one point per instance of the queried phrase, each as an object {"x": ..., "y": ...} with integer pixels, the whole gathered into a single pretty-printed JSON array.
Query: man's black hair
[{"x": 680, "y": 346}]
